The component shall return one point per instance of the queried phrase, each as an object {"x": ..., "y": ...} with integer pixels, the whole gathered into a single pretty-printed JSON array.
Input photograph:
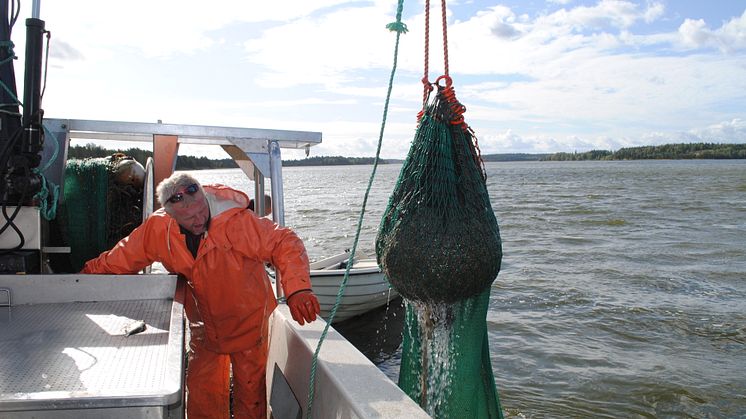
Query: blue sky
[{"x": 535, "y": 76}]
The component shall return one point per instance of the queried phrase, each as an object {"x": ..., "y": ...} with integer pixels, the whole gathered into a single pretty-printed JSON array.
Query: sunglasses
[{"x": 189, "y": 190}]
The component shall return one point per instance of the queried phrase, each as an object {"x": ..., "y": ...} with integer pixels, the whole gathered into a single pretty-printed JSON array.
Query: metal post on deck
[
  {"x": 36, "y": 9},
  {"x": 278, "y": 200},
  {"x": 259, "y": 206},
  {"x": 275, "y": 173}
]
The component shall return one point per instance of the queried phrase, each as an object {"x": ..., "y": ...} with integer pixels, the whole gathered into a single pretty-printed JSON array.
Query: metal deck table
[{"x": 64, "y": 351}]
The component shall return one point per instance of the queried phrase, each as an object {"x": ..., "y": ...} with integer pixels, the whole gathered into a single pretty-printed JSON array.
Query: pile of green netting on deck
[
  {"x": 439, "y": 246},
  {"x": 102, "y": 204}
]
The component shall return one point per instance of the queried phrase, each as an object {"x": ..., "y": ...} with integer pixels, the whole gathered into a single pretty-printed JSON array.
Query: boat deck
[
  {"x": 82, "y": 348},
  {"x": 76, "y": 355}
]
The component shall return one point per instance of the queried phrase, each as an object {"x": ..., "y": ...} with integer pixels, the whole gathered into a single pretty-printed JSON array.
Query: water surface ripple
[{"x": 623, "y": 288}]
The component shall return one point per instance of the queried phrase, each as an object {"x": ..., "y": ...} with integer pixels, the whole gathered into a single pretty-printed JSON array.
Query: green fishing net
[
  {"x": 97, "y": 210},
  {"x": 439, "y": 246}
]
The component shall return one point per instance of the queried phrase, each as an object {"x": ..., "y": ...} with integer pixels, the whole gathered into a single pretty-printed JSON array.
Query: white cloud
[
  {"x": 571, "y": 77},
  {"x": 565, "y": 77},
  {"x": 505, "y": 30},
  {"x": 163, "y": 27},
  {"x": 654, "y": 12},
  {"x": 695, "y": 34},
  {"x": 606, "y": 13},
  {"x": 324, "y": 49},
  {"x": 728, "y": 38},
  {"x": 733, "y": 131}
]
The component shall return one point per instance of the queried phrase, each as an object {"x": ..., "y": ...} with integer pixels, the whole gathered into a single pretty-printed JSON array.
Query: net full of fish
[{"x": 439, "y": 246}]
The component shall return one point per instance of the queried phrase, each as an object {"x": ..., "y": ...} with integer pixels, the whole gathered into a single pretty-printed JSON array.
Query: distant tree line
[
  {"x": 197, "y": 163},
  {"x": 182, "y": 162},
  {"x": 668, "y": 151},
  {"x": 331, "y": 161},
  {"x": 681, "y": 151},
  {"x": 513, "y": 157},
  {"x": 588, "y": 155}
]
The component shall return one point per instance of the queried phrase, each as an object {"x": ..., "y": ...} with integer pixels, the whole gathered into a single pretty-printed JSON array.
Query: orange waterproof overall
[{"x": 230, "y": 296}]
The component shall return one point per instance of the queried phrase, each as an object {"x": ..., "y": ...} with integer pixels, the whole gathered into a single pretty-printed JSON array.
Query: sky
[{"x": 535, "y": 76}]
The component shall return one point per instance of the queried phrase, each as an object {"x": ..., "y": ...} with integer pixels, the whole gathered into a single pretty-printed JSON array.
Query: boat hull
[{"x": 366, "y": 289}]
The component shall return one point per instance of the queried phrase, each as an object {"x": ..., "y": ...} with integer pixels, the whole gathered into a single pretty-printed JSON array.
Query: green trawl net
[
  {"x": 439, "y": 246},
  {"x": 101, "y": 206}
]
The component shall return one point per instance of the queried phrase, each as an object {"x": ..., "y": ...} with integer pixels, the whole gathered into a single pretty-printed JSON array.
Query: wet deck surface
[{"x": 81, "y": 349}]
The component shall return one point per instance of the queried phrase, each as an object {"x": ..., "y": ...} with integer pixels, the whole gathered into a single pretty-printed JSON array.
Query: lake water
[{"x": 622, "y": 292}]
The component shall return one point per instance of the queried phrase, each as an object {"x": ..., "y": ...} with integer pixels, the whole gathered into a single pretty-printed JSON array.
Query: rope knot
[
  {"x": 399, "y": 27},
  {"x": 8, "y": 45}
]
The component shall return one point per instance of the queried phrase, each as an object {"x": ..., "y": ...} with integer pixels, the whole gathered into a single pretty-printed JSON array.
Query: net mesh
[
  {"x": 97, "y": 211},
  {"x": 439, "y": 246}
]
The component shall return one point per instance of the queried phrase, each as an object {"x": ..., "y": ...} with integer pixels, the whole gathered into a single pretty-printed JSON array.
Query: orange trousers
[{"x": 209, "y": 377}]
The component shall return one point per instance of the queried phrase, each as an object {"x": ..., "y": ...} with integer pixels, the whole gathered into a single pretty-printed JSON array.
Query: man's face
[{"x": 192, "y": 212}]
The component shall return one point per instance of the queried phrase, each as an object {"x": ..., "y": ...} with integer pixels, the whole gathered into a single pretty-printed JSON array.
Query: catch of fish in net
[{"x": 439, "y": 239}]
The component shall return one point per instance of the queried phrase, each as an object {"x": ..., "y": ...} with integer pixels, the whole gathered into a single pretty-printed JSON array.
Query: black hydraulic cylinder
[
  {"x": 23, "y": 151},
  {"x": 32, "y": 113}
]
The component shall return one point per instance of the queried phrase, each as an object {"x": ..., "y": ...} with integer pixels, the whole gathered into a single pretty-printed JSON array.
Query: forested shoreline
[
  {"x": 182, "y": 162},
  {"x": 331, "y": 161},
  {"x": 682, "y": 151},
  {"x": 661, "y": 152}
]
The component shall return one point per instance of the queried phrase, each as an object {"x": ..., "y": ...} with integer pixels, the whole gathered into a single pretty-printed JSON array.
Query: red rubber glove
[{"x": 304, "y": 306}]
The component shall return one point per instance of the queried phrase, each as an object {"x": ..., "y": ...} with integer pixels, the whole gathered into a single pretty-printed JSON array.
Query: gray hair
[{"x": 172, "y": 184}]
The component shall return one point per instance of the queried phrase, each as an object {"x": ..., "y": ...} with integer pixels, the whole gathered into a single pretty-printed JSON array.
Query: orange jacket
[{"x": 228, "y": 281}]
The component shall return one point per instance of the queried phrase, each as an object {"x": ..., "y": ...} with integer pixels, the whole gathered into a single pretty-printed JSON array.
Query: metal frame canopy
[
  {"x": 255, "y": 150},
  {"x": 188, "y": 134}
]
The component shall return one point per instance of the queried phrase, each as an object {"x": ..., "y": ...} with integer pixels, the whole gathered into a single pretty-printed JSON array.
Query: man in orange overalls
[{"x": 207, "y": 235}]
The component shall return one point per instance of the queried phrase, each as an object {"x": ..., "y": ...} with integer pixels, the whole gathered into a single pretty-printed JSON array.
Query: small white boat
[{"x": 366, "y": 288}]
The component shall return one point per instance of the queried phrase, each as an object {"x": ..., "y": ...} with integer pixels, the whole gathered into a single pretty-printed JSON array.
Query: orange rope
[
  {"x": 428, "y": 87},
  {"x": 426, "y": 83},
  {"x": 445, "y": 36},
  {"x": 449, "y": 94},
  {"x": 447, "y": 91}
]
